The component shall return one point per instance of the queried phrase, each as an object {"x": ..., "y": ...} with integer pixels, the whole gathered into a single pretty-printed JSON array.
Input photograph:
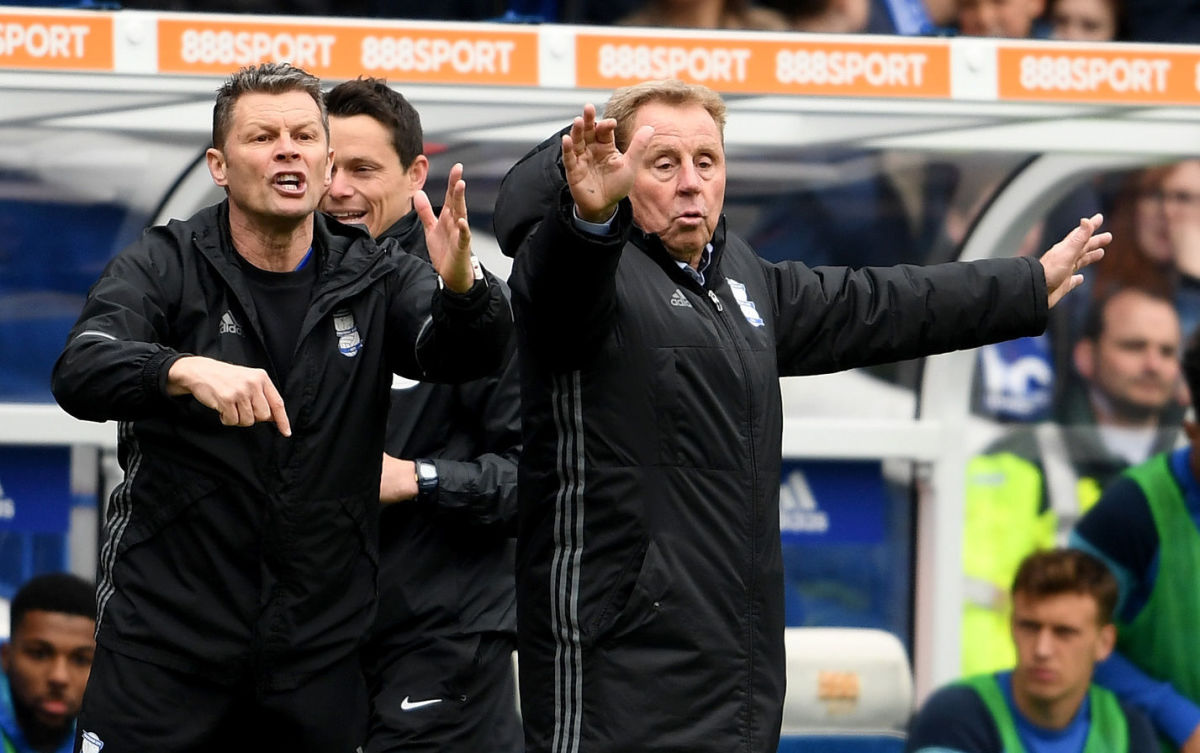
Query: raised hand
[
  {"x": 242, "y": 396},
  {"x": 1081, "y": 247},
  {"x": 448, "y": 236},
  {"x": 598, "y": 174}
]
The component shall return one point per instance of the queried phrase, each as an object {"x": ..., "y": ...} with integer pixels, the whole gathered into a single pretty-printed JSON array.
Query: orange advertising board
[
  {"x": 770, "y": 65},
  {"x": 443, "y": 55},
  {"x": 1098, "y": 74},
  {"x": 77, "y": 42}
]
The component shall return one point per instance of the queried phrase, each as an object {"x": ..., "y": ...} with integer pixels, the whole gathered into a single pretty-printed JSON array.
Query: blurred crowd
[{"x": 1089, "y": 20}]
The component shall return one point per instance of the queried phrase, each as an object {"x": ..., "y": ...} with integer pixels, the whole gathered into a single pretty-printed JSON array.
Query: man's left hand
[
  {"x": 1081, "y": 247},
  {"x": 448, "y": 235}
]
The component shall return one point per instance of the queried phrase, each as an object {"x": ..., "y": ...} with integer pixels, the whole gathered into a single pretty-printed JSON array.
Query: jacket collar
[
  {"x": 343, "y": 251},
  {"x": 349, "y": 259},
  {"x": 653, "y": 247},
  {"x": 410, "y": 233},
  {"x": 1085, "y": 445}
]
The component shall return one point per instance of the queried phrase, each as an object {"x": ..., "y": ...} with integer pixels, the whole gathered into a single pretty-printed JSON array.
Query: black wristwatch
[{"x": 427, "y": 480}]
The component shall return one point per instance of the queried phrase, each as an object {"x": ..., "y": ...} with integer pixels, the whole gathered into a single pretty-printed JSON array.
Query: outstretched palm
[
  {"x": 448, "y": 235},
  {"x": 598, "y": 174}
]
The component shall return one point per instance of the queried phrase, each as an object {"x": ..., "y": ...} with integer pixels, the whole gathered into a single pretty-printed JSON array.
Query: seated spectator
[
  {"x": 1156, "y": 237},
  {"x": 706, "y": 14},
  {"x": 1063, "y": 602},
  {"x": 1085, "y": 20},
  {"x": 912, "y": 17},
  {"x": 1013, "y": 19},
  {"x": 1146, "y": 528},
  {"x": 1028, "y": 488},
  {"x": 824, "y": 16},
  {"x": 46, "y": 663}
]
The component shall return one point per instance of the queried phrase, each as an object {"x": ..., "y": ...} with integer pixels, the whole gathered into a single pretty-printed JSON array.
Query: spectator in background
[
  {"x": 824, "y": 16},
  {"x": 1062, "y": 625},
  {"x": 46, "y": 663},
  {"x": 1026, "y": 490},
  {"x": 911, "y": 17},
  {"x": 438, "y": 660},
  {"x": 1156, "y": 237},
  {"x": 1146, "y": 528},
  {"x": 1085, "y": 20},
  {"x": 706, "y": 14},
  {"x": 1012, "y": 19}
]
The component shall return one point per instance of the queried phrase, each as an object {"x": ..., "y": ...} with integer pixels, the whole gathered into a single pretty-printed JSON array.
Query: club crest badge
[
  {"x": 90, "y": 743},
  {"x": 348, "y": 340}
]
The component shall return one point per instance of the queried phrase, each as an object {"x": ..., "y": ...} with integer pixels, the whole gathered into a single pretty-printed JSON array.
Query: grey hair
[{"x": 625, "y": 102}]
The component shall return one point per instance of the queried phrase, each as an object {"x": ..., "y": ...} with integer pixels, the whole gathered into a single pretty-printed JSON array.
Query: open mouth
[
  {"x": 291, "y": 183},
  {"x": 348, "y": 215}
]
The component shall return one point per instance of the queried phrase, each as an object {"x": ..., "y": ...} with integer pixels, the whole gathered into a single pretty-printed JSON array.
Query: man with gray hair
[
  {"x": 651, "y": 340},
  {"x": 248, "y": 353}
]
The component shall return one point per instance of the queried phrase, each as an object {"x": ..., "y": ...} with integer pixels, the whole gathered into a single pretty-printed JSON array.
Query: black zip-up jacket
[
  {"x": 233, "y": 552},
  {"x": 447, "y": 563},
  {"x": 649, "y": 575}
]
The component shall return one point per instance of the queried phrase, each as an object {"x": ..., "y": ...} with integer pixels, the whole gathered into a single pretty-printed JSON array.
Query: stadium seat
[{"x": 849, "y": 690}]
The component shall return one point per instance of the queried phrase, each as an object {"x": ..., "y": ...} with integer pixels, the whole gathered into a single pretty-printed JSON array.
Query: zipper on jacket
[{"x": 732, "y": 332}]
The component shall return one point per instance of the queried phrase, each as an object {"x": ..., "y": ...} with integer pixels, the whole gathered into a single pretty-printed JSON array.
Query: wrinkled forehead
[
  {"x": 679, "y": 124},
  {"x": 294, "y": 107}
]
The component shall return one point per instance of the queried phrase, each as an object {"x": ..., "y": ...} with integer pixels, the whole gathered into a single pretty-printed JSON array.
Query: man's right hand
[
  {"x": 598, "y": 174},
  {"x": 240, "y": 395}
]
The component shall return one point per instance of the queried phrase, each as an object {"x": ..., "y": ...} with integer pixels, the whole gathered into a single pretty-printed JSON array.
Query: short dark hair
[
  {"x": 267, "y": 78},
  {"x": 1052, "y": 572},
  {"x": 373, "y": 97},
  {"x": 1095, "y": 320},
  {"x": 63, "y": 593}
]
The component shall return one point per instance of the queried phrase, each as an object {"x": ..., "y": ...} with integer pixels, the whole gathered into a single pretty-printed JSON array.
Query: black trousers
[
  {"x": 443, "y": 694},
  {"x": 132, "y": 706}
]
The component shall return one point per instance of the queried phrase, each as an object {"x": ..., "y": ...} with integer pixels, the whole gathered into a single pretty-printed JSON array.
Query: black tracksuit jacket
[
  {"x": 234, "y": 553},
  {"x": 649, "y": 573},
  {"x": 447, "y": 564}
]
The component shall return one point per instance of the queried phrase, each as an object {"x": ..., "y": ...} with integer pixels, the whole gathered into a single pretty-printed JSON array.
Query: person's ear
[
  {"x": 418, "y": 171},
  {"x": 216, "y": 166},
  {"x": 1106, "y": 641}
]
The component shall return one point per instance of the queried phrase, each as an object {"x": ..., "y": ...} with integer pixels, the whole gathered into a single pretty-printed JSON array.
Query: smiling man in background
[{"x": 438, "y": 660}]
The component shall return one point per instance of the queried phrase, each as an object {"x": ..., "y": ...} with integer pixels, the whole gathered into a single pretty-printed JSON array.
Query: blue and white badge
[
  {"x": 349, "y": 342},
  {"x": 744, "y": 303},
  {"x": 90, "y": 742}
]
